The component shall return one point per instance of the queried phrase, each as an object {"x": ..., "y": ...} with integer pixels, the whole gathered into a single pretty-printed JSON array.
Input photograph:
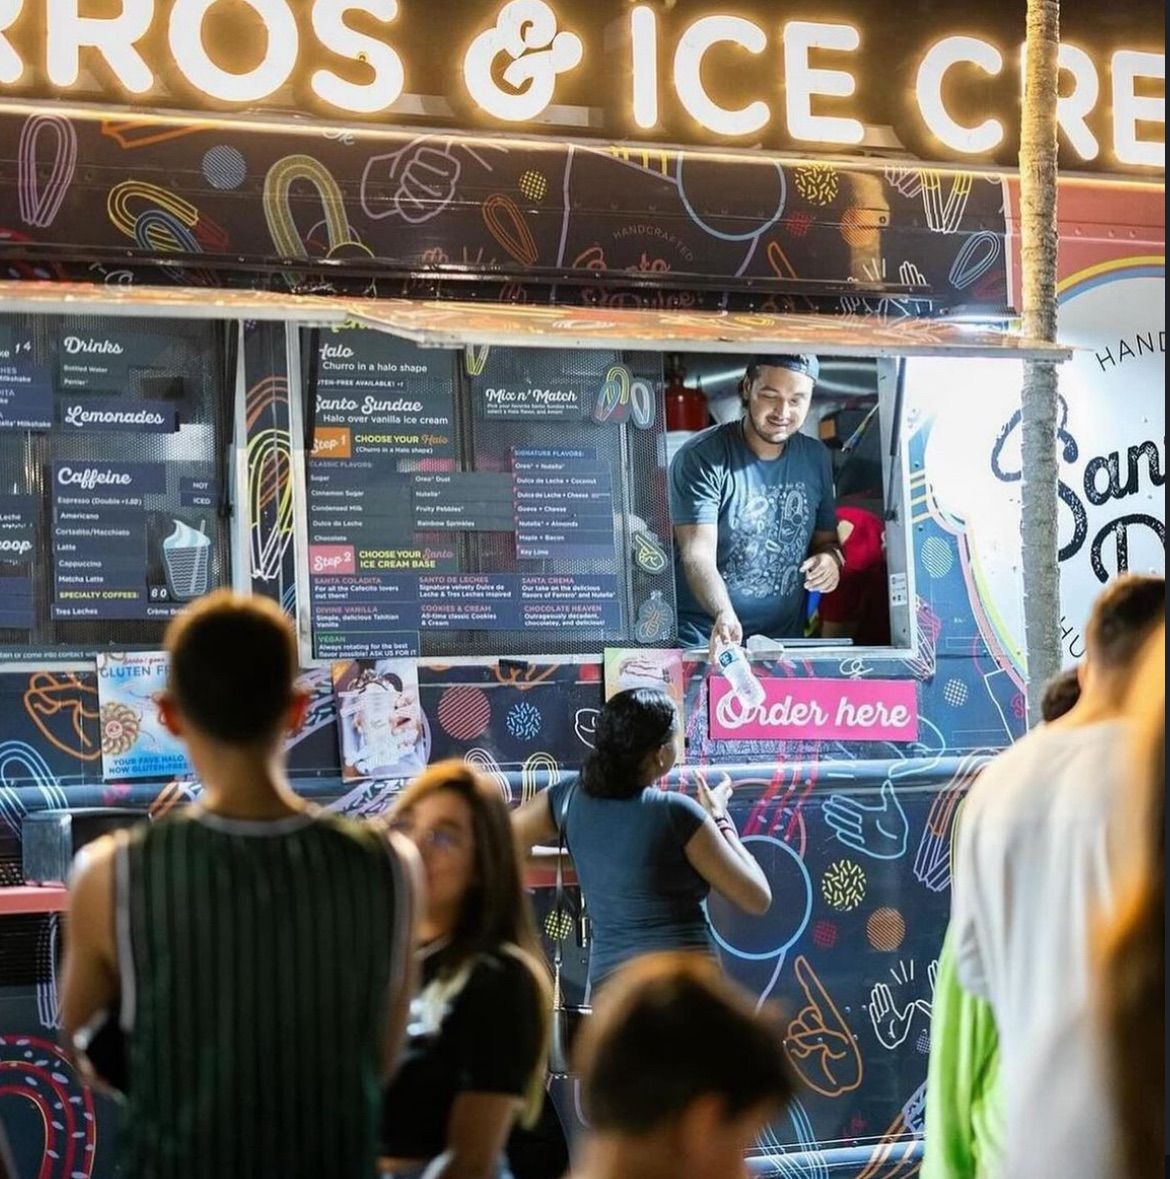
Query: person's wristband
[
  {"x": 725, "y": 825},
  {"x": 837, "y": 554}
]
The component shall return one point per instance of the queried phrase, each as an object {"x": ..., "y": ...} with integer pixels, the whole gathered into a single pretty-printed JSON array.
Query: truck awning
[{"x": 451, "y": 324}]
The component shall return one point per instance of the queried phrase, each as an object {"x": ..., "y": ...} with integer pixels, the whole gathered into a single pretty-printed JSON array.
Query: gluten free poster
[{"x": 134, "y": 742}]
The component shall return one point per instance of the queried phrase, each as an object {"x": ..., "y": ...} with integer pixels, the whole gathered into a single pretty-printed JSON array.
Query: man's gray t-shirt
[{"x": 766, "y": 510}]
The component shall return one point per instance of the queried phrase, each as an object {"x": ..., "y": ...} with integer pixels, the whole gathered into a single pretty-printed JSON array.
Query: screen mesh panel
[
  {"x": 543, "y": 480},
  {"x": 162, "y": 367},
  {"x": 628, "y": 453}
]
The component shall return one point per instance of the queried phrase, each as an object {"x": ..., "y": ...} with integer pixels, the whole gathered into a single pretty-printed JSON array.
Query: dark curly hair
[
  {"x": 240, "y": 702},
  {"x": 1123, "y": 617},
  {"x": 632, "y": 725},
  {"x": 1060, "y": 693}
]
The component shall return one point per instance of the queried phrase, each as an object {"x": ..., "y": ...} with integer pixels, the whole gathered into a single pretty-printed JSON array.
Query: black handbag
[
  {"x": 566, "y": 1017},
  {"x": 540, "y": 1151}
]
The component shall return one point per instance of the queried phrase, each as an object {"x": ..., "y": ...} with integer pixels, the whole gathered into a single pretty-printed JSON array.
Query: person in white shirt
[
  {"x": 1094, "y": 1102},
  {"x": 1036, "y": 859}
]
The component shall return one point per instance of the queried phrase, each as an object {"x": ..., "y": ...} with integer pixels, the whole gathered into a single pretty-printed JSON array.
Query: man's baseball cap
[{"x": 806, "y": 365}]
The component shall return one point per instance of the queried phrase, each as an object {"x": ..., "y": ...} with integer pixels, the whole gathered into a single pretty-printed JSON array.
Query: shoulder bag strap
[{"x": 559, "y": 904}]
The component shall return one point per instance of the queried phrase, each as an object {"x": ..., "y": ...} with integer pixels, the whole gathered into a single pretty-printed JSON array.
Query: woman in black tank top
[{"x": 477, "y": 1038}]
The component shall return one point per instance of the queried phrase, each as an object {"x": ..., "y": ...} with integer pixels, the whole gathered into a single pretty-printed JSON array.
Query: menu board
[
  {"x": 563, "y": 504},
  {"x": 113, "y": 557},
  {"x": 26, "y": 386},
  {"x": 130, "y": 539},
  {"x": 18, "y": 515},
  {"x": 384, "y": 409},
  {"x": 113, "y": 449},
  {"x": 428, "y": 526},
  {"x": 112, "y": 359}
]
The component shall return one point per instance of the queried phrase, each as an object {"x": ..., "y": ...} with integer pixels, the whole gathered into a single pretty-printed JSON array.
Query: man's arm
[
  {"x": 89, "y": 970},
  {"x": 698, "y": 545},
  {"x": 822, "y": 567},
  {"x": 825, "y": 557}
]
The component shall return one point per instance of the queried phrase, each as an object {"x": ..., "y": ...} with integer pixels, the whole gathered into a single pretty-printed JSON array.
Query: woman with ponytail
[{"x": 645, "y": 858}]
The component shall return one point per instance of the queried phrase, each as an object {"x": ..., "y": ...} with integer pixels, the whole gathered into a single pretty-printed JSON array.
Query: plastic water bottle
[{"x": 737, "y": 670}]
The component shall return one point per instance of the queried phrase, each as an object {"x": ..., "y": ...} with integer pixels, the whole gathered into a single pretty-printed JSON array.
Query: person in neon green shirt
[{"x": 964, "y": 1120}]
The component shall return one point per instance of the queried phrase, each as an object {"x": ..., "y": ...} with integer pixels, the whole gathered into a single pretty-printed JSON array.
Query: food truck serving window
[
  {"x": 112, "y": 437},
  {"x": 484, "y": 480}
]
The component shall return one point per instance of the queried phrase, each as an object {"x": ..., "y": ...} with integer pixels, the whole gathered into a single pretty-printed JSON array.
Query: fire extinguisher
[{"x": 686, "y": 408}]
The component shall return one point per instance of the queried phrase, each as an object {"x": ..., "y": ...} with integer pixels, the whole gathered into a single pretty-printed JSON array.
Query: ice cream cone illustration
[{"x": 186, "y": 557}]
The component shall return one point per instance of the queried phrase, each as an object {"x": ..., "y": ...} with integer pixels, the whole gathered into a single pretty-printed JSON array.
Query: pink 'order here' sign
[{"x": 817, "y": 710}]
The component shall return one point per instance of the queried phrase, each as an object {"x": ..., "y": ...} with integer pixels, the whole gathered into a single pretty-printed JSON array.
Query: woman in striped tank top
[{"x": 256, "y": 950}]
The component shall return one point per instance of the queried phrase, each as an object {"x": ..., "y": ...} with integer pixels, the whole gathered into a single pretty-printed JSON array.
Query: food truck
[{"x": 290, "y": 304}]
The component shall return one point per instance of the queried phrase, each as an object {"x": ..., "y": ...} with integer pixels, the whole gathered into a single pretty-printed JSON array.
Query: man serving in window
[{"x": 755, "y": 521}]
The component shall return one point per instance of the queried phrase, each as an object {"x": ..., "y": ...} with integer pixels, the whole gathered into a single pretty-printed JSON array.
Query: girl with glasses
[{"x": 477, "y": 1038}]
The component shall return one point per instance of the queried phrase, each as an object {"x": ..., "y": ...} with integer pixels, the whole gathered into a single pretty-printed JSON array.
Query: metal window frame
[{"x": 442, "y": 324}]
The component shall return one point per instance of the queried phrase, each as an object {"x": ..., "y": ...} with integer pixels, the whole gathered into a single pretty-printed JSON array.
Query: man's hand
[
  {"x": 821, "y": 572},
  {"x": 725, "y": 631}
]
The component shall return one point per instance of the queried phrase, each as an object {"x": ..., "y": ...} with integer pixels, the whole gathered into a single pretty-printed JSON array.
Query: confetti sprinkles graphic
[
  {"x": 523, "y": 721},
  {"x": 817, "y": 183},
  {"x": 843, "y": 885}
]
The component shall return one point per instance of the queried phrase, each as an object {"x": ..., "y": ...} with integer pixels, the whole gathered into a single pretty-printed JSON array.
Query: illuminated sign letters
[
  {"x": 940, "y": 58},
  {"x": 688, "y": 64},
  {"x": 1130, "y": 108},
  {"x": 11, "y": 64},
  {"x": 802, "y": 81},
  {"x": 525, "y": 31},
  {"x": 769, "y": 79},
  {"x": 185, "y": 35},
  {"x": 389, "y": 78},
  {"x": 113, "y": 37}
]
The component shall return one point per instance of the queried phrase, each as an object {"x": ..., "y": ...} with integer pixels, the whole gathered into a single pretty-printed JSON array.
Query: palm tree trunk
[{"x": 1038, "y": 250}]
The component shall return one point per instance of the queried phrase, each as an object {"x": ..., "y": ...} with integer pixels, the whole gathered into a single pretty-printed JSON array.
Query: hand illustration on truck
[{"x": 880, "y": 831}]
